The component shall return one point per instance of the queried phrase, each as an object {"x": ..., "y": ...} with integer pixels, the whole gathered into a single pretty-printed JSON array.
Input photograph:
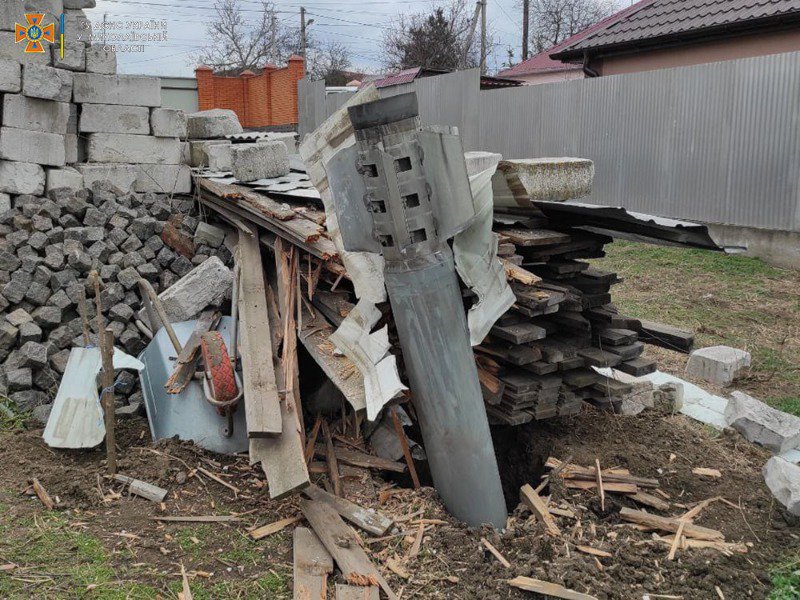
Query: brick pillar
[
  {"x": 297, "y": 70},
  {"x": 247, "y": 81},
  {"x": 205, "y": 87}
]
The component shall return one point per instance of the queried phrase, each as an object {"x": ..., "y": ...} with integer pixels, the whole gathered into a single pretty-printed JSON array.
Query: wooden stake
[
  {"x": 600, "y": 489},
  {"x": 312, "y": 439},
  {"x": 333, "y": 463},
  {"x": 148, "y": 290},
  {"x": 84, "y": 310},
  {"x": 398, "y": 427},
  {"x": 108, "y": 401},
  {"x": 42, "y": 494},
  {"x": 677, "y": 541}
]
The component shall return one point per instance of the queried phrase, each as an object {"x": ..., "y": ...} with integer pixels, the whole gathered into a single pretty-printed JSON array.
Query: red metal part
[{"x": 218, "y": 366}]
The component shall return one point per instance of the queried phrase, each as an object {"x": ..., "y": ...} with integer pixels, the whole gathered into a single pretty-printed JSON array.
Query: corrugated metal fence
[{"x": 718, "y": 143}]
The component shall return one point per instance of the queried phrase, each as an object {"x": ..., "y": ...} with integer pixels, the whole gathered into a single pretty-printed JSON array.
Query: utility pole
[
  {"x": 483, "y": 37},
  {"x": 303, "y": 32},
  {"x": 273, "y": 39},
  {"x": 471, "y": 34},
  {"x": 526, "y": 5}
]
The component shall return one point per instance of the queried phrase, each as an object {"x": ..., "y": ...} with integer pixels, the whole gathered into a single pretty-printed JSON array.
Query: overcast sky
[{"x": 358, "y": 24}]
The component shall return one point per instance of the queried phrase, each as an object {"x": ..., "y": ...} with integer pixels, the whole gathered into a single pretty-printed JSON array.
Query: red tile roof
[
  {"x": 661, "y": 20},
  {"x": 542, "y": 63}
]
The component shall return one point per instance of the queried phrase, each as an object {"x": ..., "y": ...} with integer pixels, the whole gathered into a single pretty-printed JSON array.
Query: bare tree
[
  {"x": 553, "y": 21},
  {"x": 435, "y": 39},
  {"x": 331, "y": 63},
  {"x": 246, "y": 38}
]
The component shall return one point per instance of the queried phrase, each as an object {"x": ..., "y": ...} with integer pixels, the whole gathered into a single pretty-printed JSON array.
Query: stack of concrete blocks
[
  {"x": 68, "y": 122},
  {"x": 208, "y": 146}
]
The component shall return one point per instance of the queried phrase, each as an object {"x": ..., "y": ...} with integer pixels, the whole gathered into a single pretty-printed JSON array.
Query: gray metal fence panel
[{"x": 718, "y": 142}]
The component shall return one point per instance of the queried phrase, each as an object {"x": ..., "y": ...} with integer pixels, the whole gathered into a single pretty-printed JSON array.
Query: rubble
[
  {"x": 783, "y": 480},
  {"x": 719, "y": 365},
  {"x": 762, "y": 424}
]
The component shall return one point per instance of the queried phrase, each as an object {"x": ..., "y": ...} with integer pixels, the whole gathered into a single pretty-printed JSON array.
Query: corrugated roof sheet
[
  {"x": 674, "y": 18},
  {"x": 406, "y": 76},
  {"x": 542, "y": 63}
]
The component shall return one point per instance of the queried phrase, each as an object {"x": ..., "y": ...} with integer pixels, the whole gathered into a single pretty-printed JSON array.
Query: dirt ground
[{"x": 100, "y": 543}]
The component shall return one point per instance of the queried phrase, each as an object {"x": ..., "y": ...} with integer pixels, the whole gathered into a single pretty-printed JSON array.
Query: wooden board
[
  {"x": 362, "y": 459},
  {"x": 534, "y": 237},
  {"x": 532, "y": 500},
  {"x": 343, "y": 544},
  {"x": 668, "y": 524},
  {"x": 261, "y": 401},
  {"x": 547, "y": 589},
  {"x": 666, "y": 336},
  {"x": 369, "y": 520},
  {"x": 356, "y": 592},
  {"x": 312, "y": 565},
  {"x": 519, "y": 333},
  {"x": 185, "y": 363}
]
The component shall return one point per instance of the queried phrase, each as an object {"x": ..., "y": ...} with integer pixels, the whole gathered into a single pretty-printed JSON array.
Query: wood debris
[
  {"x": 531, "y": 499},
  {"x": 266, "y": 530},
  {"x": 545, "y": 588},
  {"x": 142, "y": 488}
]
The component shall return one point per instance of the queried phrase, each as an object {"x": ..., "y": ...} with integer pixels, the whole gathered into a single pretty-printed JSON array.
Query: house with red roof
[{"x": 660, "y": 34}]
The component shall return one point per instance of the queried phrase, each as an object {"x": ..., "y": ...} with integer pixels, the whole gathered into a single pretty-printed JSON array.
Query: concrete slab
[
  {"x": 74, "y": 56},
  {"x": 32, "y": 146},
  {"x": 135, "y": 149},
  {"x": 48, "y": 83},
  {"x": 164, "y": 179},
  {"x": 21, "y": 178},
  {"x": 11, "y": 12},
  {"x": 697, "y": 403},
  {"x": 762, "y": 424},
  {"x": 517, "y": 182},
  {"x": 10, "y": 76},
  {"x": 114, "y": 118},
  {"x": 262, "y": 160},
  {"x": 64, "y": 178},
  {"x": 220, "y": 157},
  {"x": 783, "y": 480},
  {"x": 129, "y": 90},
  {"x": 198, "y": 151},
  {"x": 35, "y": 114},
  {"x": 10, "y": 50},
  {"x": 101, "y": 60},
  {"x": 214, "y": 123},
  {"x": 719, "y": 365},
  {"x": 73, "y": 148},
  {"x": 168, "y": 122},
  {"x": 120, "y": 175}
]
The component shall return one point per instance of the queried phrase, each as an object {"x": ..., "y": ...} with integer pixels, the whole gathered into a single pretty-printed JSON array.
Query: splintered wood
[
  {"x": 312, "y": 565},
  {"x": 343, "y": 544},
  {"x": 545, "y": 588},
  {"x": 531, "y": 499}
]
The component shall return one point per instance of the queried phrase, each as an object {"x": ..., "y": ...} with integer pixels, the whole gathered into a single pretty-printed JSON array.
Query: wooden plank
[
  {"x": 517, "y": 273},
  {"x": 262, "y": 404},
  {"x": 261, "y": 532},
  {"x": 361, "y": 459},
  {"x": 330, "y": 458},
  {"x": 547, "y": 589},
  {"x": 666, "y": 336},
  {"x": 401, "y": 436},
  {"x": 669, "y": 524},
  {"x": 650, "y": 500},
  {"x": 531, "y": 499},
  {"x": 185, "y": 364},
  {"x": 608, "y": 486},
  {"x": 283, "y": 457},
  {"x": 343, "y": 544},
  {"x": 638, "y": 366},
  {"x": 367, "y": 519},
  {"x": 534, "y": 237},
  {"x": 260, "y": 203},
  {"x": 496, "y": 553},
  {"x": 312, "y": 565},
  {"x": 520, "y": 333},
  {"x": 142, "y": 488},
  {"x": 356, "y": 592}
]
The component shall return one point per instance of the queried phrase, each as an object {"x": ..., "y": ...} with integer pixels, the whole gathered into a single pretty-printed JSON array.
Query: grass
[
  {"x": 11, "y": 418},
  {"x": 786, "y": 581},
  {"x": 726, "y": 299}
]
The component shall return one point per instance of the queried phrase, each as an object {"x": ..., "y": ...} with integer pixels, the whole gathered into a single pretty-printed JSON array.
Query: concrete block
[
  {"x": 220, "y": 157},
  {"x": 5, "y": 202},
  {"x": 11, "y": 12},
  {"x": 79, "y": 4},
  {"x": 21, "y": 178},
  {"x": 214, "y": 123},
  {"x": 783, "y": 480},
  {"x": 10, "y": 50},
  {"x": 128, "y": 90},
  {"x": 289, "y": 138},
  {"x": 164, "y": 179},
  {"x": 551, "y": 179},
  {"x": 74, "y": 56},
  {"x": 78, "y": 27},
  {"x": 205, "y": 285},
  {"x": 48, "y": 83},
  {"x": 209, "y": 235},
  {"x": 120, "y": 176},
  {"x": 136, "y": 149},
  {"x": 114, "y": 118},
  {"x": 32, "y": 146},
  {"x": 168, "y": 122},
  {"x": 263, "y": 160},
  {"x": 10, "y": 76},
  {"x": 186, "y": 153},
  {"x": 101, "y": 60},
  {"x": 64, "y": 178},
  {"x": 198, "y": 150},
  {"x": 51, "y": 8},
  {"x": 762, "y": 424},
  {"x": 72, "y": 148},
  {"x": 719, "y": 365},
  {"x": 35, "y": 114}
]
